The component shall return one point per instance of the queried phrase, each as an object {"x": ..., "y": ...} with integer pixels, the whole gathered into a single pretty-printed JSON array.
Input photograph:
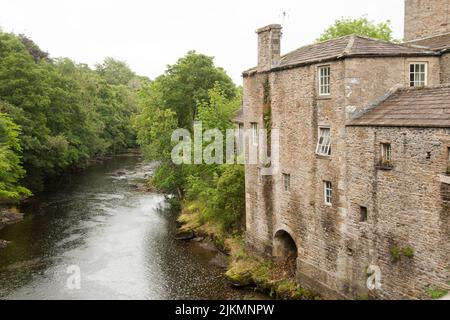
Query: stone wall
[
  {"x": 425, "y": 18},
  {"x": 445, "y": 67},
  {"x": 405, "y": 209},
  {"x": 330, "y": 257}
]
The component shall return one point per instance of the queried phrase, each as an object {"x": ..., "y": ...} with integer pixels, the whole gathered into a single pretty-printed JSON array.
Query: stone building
[{"x": 363, "y": 192}]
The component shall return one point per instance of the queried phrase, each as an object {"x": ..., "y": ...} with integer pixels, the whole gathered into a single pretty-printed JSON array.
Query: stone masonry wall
[
  {"x": 405, "y": 209},
  {"x": 424, "y": 18},
  {"x": 330, "y": 259},
  {"x": 445, "y": 68}
]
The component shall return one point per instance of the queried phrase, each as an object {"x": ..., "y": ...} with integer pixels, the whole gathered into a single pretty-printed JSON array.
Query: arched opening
[{"x": 285, "y": 253}]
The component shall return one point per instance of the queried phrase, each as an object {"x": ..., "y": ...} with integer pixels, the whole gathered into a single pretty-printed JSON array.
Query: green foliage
[
  {"x": 361, "y": 26},
  {"x": 435, "y": 293},
  {"x": 408, "y": 253},
  {"x": 395, "y": 254},
  {"x": 68, "y": 113},
  {"x": 10, "y": 161},
  {"x": 189, "y": 81},
  {"x": 115, "y": 72},
  {"x": 193, "y": 89}
]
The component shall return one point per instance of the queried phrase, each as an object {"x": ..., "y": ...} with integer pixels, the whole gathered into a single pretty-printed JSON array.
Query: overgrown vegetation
[
  {"x": 57, "y": 114},
  {"x": 244, "y": 270},
  {"x": 360, "y": 26},
  {"x": 193, "y": 90}
]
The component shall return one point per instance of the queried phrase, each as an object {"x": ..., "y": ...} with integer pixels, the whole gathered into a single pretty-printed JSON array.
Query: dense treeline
[
  {"x": 56, "y": 114},
  {"x": 193, "y": 89}
]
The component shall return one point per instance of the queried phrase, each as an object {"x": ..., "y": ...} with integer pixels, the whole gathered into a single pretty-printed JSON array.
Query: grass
[{"x": 435, "y": 293}]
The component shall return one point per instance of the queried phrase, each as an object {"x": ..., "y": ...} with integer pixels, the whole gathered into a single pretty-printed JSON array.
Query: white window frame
[
  {"x": 255, "y": 136},
  {"x": 324, "y": 142},
  {"x": 324, "y": 75},
  {"x": 416, "y": 75},
  {"x": 328, "y": 193},
  {"x": 286, "y": 182},
  {"x": 386, "y": 153}
]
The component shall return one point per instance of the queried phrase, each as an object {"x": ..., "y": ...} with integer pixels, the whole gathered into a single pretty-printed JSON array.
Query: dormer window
[
  {"x": 418, "y": 74},
  {"x": 325, "y": 81}
]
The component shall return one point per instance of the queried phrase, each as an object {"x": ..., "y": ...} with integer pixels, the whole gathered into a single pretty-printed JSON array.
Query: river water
[{"x": 121, "y": 240}]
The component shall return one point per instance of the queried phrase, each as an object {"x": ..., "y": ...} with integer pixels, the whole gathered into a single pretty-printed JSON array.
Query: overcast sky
[{"x": 148, "y": 35}]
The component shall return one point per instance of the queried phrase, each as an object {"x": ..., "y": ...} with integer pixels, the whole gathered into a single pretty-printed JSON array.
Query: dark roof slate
[
  {"x": 348, "y": 46},
  {"x": 412, "y": 107},
  {"x": 440, "y": 42}
]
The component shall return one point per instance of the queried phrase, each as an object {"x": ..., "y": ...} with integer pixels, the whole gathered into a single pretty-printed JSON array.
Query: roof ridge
[
  {"x": 400, "y": 44},
  {"x": 350, "y": 45},
  {"x": 428, "y": 37},
  {"x": 316, "y": 44}
]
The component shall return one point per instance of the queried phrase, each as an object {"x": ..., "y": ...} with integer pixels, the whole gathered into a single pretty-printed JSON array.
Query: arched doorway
[{"x": 285, "y": 253}]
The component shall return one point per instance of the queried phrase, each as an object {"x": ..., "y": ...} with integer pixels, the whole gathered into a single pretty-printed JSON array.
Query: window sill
[
  {"x": 319, "y": 156},
  {"x": 324, "y": 97},
  {"x": 384, "y": 168}
]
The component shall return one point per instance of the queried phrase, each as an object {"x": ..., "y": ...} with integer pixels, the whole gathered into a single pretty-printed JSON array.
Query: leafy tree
[
  {"x": 115, "y": 72},
  {"x": 188, "y": 81},
  {"x": 33, "y": 48},
  {"x": 68, "y": 113},
  {"x": 10, "y": 160},
  {"x": 361, "y": 26}
]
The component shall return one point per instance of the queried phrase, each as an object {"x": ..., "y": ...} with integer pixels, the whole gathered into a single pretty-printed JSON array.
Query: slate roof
[
  {"x": 440, "y": 42},
  {"x": 348, "y": 46},
  {"x": 412, "y": 107}
]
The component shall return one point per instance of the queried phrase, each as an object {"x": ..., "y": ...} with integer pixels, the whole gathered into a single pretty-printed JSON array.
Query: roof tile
[{"x": 412, "y": 107}]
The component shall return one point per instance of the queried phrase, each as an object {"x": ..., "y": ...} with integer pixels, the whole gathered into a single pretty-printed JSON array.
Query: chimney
[{"x": 269, "y": 44}]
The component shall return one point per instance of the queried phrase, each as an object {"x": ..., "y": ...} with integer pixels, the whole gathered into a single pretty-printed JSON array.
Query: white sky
[{"x": 148, "y": 35}]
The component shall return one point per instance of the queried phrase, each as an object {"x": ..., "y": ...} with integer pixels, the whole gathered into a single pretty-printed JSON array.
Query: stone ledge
[{"x": 444, "y": 178}]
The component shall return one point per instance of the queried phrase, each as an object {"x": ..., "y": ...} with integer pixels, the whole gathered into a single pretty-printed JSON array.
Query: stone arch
[{"x": 285, "y": 252}]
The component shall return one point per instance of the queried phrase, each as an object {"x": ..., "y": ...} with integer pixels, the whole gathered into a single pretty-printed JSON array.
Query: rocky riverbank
[
  {"x": 8, "y": 217},
  {"x": 243, "y": 270}
]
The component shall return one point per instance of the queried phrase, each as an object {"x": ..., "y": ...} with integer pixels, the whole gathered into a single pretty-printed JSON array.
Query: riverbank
[
  {"x": 8, "y": 217},
  {"x": 244, "y": 270}
]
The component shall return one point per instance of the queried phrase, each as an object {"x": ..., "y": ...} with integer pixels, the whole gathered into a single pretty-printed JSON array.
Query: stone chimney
[{"x": 269, "y": 47}]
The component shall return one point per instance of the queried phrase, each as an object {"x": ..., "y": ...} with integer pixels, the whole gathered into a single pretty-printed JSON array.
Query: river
[{"x": 121, "y": 240}]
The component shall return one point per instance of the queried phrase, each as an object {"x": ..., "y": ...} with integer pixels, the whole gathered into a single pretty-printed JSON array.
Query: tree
[
  {"x": 188, "y": 81},
  {"x": 11, "y": 171},
  {"x": 68, "y": 113},
  {"x": 362, "y": 27},
  {"x": 115, "y": 72}
]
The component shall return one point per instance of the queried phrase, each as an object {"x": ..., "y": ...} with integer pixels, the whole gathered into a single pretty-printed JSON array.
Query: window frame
[
  {"x": 255, "y": 136},
  {"x": 286, "y": 182},
  {"x": 327, "y": 83},
  {"x": 320, "y": 143},
  {"x": 385, "y": 153},
  {"x": 363, "y": 214},
  {"x": 328, "y": 193},
  {"x": 412, "y": 80}
]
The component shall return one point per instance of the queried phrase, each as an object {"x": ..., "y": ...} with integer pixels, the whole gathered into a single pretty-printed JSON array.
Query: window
[
  {"x": 417, "y": 74},
  {"x": 324, "y": 81},
  {"x": 255, "y": 137},
  {"x": 240, "y": 140},
  {"x": 363, "y": 214},
  {"x": 448, "y": 160},
  {"x": 324, "y": 143},
  {"x": 328, "y": 193},
  {"x": 287, "y": 182},
  {"x": 386, "y": 154}
]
